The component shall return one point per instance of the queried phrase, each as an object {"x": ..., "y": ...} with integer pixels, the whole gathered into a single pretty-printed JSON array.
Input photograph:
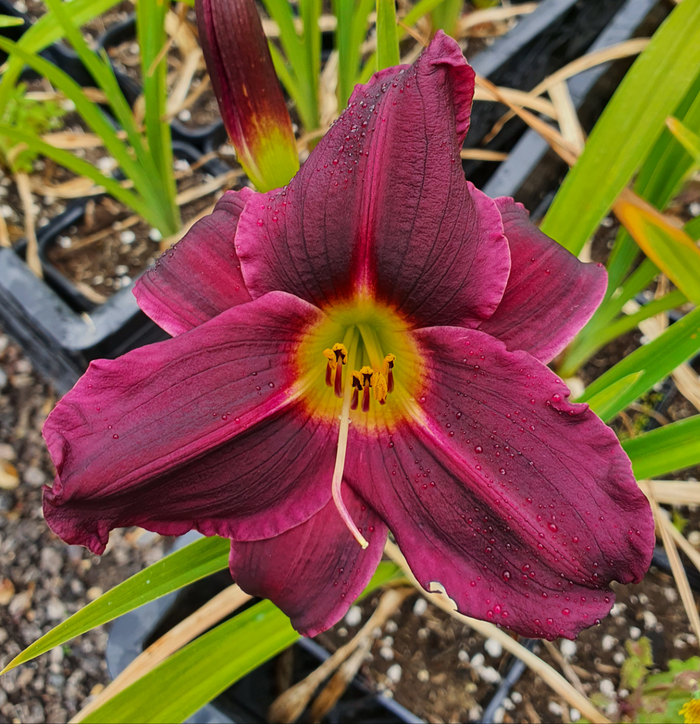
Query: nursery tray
[{"x": 60, "y": 330}]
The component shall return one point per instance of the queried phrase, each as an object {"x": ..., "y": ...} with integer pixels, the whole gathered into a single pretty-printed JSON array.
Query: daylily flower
[
  {"x": 359, "y": 351},
  {"x": 247, "y": 89}
]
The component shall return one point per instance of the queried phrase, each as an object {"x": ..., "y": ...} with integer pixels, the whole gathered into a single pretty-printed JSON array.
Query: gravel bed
[{"x": 42, "y": 580}]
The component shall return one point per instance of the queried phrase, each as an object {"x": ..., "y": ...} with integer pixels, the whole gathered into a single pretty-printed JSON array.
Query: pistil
[{"x": 343, "y": 446}]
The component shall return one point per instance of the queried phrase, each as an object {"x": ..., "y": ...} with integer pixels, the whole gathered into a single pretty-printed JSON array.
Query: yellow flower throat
[{"x": 359, "y": 365}]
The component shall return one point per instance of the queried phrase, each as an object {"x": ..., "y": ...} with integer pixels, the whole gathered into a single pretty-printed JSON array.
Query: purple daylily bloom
[{"x": 364, "y": 350}]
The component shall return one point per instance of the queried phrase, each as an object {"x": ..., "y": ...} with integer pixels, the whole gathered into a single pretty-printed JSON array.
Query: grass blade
[
  {"x": 586, "y": 345},
  {"x": 197, "y": 560},
  {"x": 668, "y": 448},
  {"x": 387, "y": 36},
  {"x": 90, "y": 112},
  {"x": 150, "y": 30},
  {"x": 667, "y": 246},
  {"x": 103, "y": 74},
  {"x": 655, "y": 360},
  {"x": 83, "y": 168},
  {"x": 42, "y": 33},
  {"x": 689, "y": 140},
  {"x": 204, "y": 668},
  {"x": 608, "y": 398},
  {"x": 10, "y": 21},
  {"x": 628, "y": 128}
]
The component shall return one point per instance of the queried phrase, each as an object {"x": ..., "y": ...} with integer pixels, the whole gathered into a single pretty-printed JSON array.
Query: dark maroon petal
[
  {"x": 200, "y": 276},
  {"x": 550, "y": 294},
  {"x": 203, "y": 431},
  {"x": 521, "y": 504},
  {"x": 381, "y": 207},
  {"x": 315, "y": 571}
]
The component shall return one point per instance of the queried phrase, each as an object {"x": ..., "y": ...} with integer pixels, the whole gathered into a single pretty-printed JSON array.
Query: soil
[
  {"x": 448, "y": 673},
  {"x": 47, "y": 177},
  {"x": 106, "y": 250}
]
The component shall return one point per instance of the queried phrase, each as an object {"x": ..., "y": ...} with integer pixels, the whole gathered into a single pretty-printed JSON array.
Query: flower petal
[
  {"x": 202, "y": 431},
  {"x": 315, "y": 571},
  {"x": 200, "y": 276},
  {"x": 381, "y": 207},
  {"x": 550, "y": 294},
  {"x": 521, "y": 504}
]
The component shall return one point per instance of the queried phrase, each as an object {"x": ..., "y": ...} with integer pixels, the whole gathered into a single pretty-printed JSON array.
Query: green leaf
[
  {"x": 150, "y": 30},
  {"x": 689, "y": 140},
  {"x": 310, "y": 11},
  {"x": 10, "y": 21},
  {"x": 636, "y": 666},
  {"x": 387, "y": 37},
  {"x": 299, "y": 59},
  {"x": 83, "y": 168},
  {"x": 351, "y": 31},
  {"x": 146, "y": 179},
  {"x": 43, "y": 32},
  {"x": 655, "y": 360},
  {"x": 446, "y": 16},
  {"x": 197, "y": 560},
  {"x": 607, "y": 399},
  {"x": 628, "y": 128},
  {"x": 149, "y": 208},
  {"x": 200, "y": 671},
  {"x": 668, "y": 448},
  {"x": 669, "y": 247},
  {"x": 586, "y": 345}
]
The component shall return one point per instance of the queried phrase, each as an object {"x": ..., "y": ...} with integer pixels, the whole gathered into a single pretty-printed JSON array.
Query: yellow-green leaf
[
  {"x": 689, "y": 140},
  {"x": 668, "y": 246}
]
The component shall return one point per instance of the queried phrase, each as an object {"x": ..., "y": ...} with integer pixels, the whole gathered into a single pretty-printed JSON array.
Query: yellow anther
[
  {"x": 380, "y": 388},
  {"x": 337, "y": 357},
  {"x": 340, "y": 352},
  {"x": 388, "y": 371},
  {"x": 356, "y": 387},
  {"x": 366, "y": 372},
  {"x": 388, "y": 364}
]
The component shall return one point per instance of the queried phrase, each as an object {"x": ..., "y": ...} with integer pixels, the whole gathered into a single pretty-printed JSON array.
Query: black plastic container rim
[
  {"x": 126, "y": 30},
  {"x": 73, "y": 213}
]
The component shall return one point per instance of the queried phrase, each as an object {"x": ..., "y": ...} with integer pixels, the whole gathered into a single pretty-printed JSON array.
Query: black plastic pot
[
  {"x": 532, "y": 173},
  {"x": 248, "y": 699},
  {"x": 54, "y": 53},
  {"x": 60, "y": 330}
]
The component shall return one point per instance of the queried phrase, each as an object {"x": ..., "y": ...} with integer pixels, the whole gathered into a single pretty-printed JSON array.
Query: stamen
[
  {"x": 330, "y": 366},
  {"x": 367, "y": 374},
  {"x": 388, "y": 371},
  {"x": 341, "y": 355},
  {"x": 380, "y": 388},
  {"x": 356, "y": 387}
]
